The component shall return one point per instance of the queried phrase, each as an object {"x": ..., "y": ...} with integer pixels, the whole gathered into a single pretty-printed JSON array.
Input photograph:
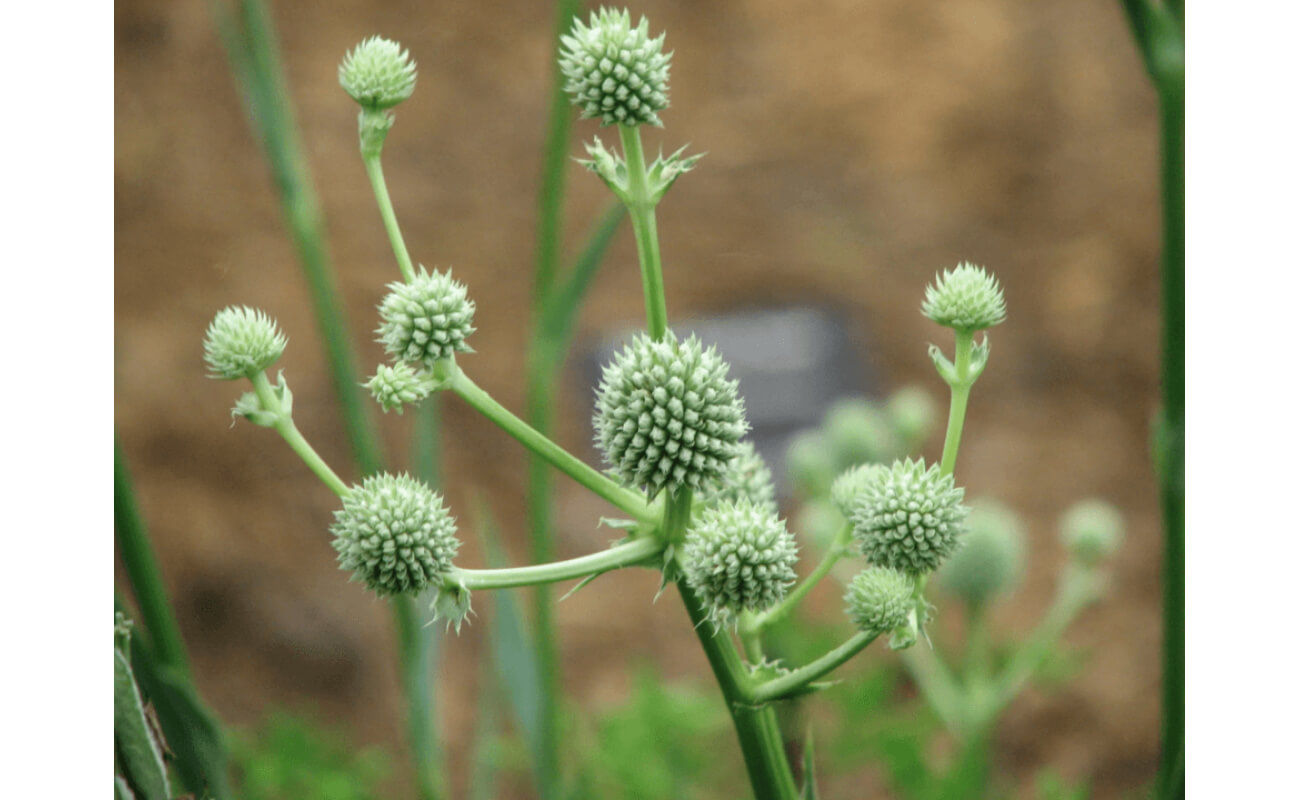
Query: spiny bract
[
  {"x": 991, "y": 557},
  {"x": 396, "y": 386},
  {"x": 879, "y": 599},
  {"x": 739, "y": 557},
  {"x": 241, "y": 342},
  {"x": 427, "y": 319},
  {"x": 747, "y": 476},
  {"x": 377, "y": 73},
  {"x": 667, "y": 415},
  {"x": 615, "y": 72},
  {"x": 395, "y": 534},
  {"x": 966, "y": 298},
  {"x": 910, "y": 518}
]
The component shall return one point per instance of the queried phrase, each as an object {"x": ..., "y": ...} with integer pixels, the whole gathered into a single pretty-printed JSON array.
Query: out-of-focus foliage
[{"x": 287, "y": 757}]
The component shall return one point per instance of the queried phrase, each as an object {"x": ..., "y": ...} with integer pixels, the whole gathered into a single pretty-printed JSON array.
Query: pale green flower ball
[
  {"x": 426, "y": 320},
  {"x": 747, "y": 476},
  {"x": 739, "y": 557},
  {"x": 668, "y": 416},
  {"x": 241, "y": 342},
  {"x": 395, "y": 535},
  {"x": 1092, "y": 530},
  {"x": 879, "y": 600},
  {"x": 397, "y": 386},
  {"x": 614, "y": 72},
  {"x": 910, "y": 519},
  {"x": 852, "y": 484},
  {"x": 377, "y": 73},
  {"x": 966, "y": 299},
  {"x": 991, "y": 558}
]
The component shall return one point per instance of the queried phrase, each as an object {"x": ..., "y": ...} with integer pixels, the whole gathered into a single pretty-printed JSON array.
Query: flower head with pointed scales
[
  {"x": 747, "y": 476},
  {"x": 966, "y": 298},
  {"x": 377, "y": 73},
  {"x": 615, "y": 72},
  {"x": 739, "y": 557},
  {"x": 668, "y": 416},
  {"x": 395, "y": 535},
  {"x": 879, "y": 599},
  {"x": 426, "y": 320},
  {"x": 241, "y": 342},
  {"x": 991, "y": 558},
  {"x": 909, "y": 518}
]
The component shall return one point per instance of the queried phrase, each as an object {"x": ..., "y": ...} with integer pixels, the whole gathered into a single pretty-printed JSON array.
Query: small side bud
[
  {"x": 395, "y": 535},
  {"x": 399, "y": 385},
  {"x": 250, "y": 405},
  {"x": 615, "y": 72},
  {"x": 377, "y": 74},
  {"x": 426, "y": 320},
  {"x": 241, "y": 342},
  {"x": 1092, "y": 530},
  {"x": 739, "y": 557},
  {"x": 991, "y": 558},
  {"x": 879, "y": 601},
  {"x": 966, "y": 299}
]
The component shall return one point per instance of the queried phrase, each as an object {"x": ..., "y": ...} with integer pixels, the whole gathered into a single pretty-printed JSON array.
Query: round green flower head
[
  {"x": 378, "y": 73},
  {"x": 1092, "y": 530},
  {"x": 667, "y": 415},
  {"x": 966, "y": 298},
  {"x": 241, "y": 342},
  {"x": 739, "y": 557},
  {"x": 852, "y": 485},
  {"x": 879, "y": 600},
  {"x": 397, "y": 386},
  {"x": 810, "y": 462},
  {"x": 615, "y": 72},
  {"x": 910, "y": 518},
  {"x": 991, "y": 558},
  {"x": 859, "y": 431},
  {"x": 426, "y": 320},
  {"x": 748, "y": 477},
  {"x": 395, "y": 534}
]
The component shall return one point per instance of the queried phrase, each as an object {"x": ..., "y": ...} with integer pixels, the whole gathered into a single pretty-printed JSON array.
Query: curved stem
[
  {"x": 937, "y": 685},
  {"x": 294, "y": 438},
  {"x": 957, "y": 407},
  {"x": 778, "y": 612},
  {"x": 620, "y": 555},
  {"x": 370, "y": 156},
  {"x": 791, "y": 682},
  {"x": 642, "y": 210},
  {"x": 628, "y": 501}
]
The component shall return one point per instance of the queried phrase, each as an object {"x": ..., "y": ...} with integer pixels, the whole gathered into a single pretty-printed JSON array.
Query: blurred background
[{"x": 854, "y": 149}]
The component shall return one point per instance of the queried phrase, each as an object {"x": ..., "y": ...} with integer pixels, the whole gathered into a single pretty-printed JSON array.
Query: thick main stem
[{"x": 641, "y": 208}]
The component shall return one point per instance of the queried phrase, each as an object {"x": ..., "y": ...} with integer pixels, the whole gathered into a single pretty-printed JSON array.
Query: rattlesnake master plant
[
  {"x": 991, "y": 558},
  {"x": 378, "y": 73},
  {"x": 966, "y": 298},
  {"x": 668, "y": 416},
  {"x": 615, "y": 72},
  {"x": 880, "y": 600},
  {"x": 739, "y": 557},
  {"x": 241, "y": 342},
  {"x": 747, "y": 477},
  {"x": 395, "y": 535},
  {"x": 909, "y": 517},
  {"x": 426, "y": 319}
]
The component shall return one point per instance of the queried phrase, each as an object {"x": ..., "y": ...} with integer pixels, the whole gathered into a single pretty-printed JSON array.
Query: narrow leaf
[{"x": 141, "y": 755}]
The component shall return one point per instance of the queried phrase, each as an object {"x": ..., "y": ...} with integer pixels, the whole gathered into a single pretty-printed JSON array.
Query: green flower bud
[
  {"x": 739, "y": 557},
  {"x": 747, "y": 477},
  {"x": 426, "y": 320},
  {"x": 241, "y": 342},
  {"x": 818, "y": 521},
  {"x": 378, "y": 73},
  {"x": 966, "y": 298},
  {"x": 810, "y": 462},
  {"x": 909, "y": 519},
  {"x": 991, "y": 558},
  {"x": 395, "y": 534},
  {"x": 614, "y": 72},
  {"x": 880, "y": 600},
  {"x": 667, "y": 415},
  {"x": 859, "y": 432},
  {"x": 851, "y": 486},
  {"x": 1092, "y": 530},
  {"x": 913, "y": 414},
  {"x": 399, "y": 385}
]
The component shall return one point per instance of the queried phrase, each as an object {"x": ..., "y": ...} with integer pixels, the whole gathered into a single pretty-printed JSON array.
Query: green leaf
[{"x": 140, "y": 754}]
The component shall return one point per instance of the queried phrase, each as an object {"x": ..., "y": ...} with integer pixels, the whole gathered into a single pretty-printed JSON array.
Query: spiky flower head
[
  {"x": 398, "y": 385},
  {"x": 859, "y": 431},
  {"x": 1092, "y": 530},
  {"x": 739, "y": 557},
  {"x": 614, "y": 72},
  {"x": 966, "y": 298},
  {"x": 395, "y": 534},
  {"x": 991, "y": 558},
  {"x": 667, "y": 415},
  {"x": 377, "y": 73},
  {"x": 747, "y": 476},
  {"x": 910, "y": 518},
  {"x": 426, "y": 320},
  {"x": 912, "y": 413},
  {"x": 852, "y": 485},
  {"x": 241, "y": 342},
  {"x": 880, "y": 600}
]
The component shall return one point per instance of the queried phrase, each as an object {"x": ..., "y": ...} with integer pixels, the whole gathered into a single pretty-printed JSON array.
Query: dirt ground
[{"x": 853, "y": 150}]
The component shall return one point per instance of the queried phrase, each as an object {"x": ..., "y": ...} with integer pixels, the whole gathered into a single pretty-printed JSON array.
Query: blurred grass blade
[
  {"x": 809, "y": 791},
  {"x": 483, "y": 750},
  {"x": 140, "y": 755},
  {"x": 512, "y": 649},
  {"x": 561, "y": 308}
]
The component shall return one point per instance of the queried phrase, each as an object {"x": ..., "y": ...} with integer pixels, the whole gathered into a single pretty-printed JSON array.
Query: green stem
[
  {"x": 837, "y": 550},
  {"x": 291, "y": 435},
  {"x": 795, "y": 680},
  {"x": 641, "y": 208},
  {"x": 957, "y": 408},
  {"x": 978, "y": 655},
  {"x": 375, "y": 171},
  {"x": 626, "y": 554},
  {"x": 143, "y": 572},
  {"x": 937, "y": 685},
  {"x": 628, "y": 501},
  {"x": 417, "y": 681}
]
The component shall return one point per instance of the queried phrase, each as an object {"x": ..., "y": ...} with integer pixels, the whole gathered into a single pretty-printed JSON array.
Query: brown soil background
[{"x": 853, "y": 148}]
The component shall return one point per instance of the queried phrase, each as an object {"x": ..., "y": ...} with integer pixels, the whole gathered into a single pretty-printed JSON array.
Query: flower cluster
[
  {"x": 241, "y": 342},
  {"x": 426, "y": 320},
  {"x": 966, "y": 298},
  {"x": 615, "y": 72},
  {"x": 909, "y": 518}
]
